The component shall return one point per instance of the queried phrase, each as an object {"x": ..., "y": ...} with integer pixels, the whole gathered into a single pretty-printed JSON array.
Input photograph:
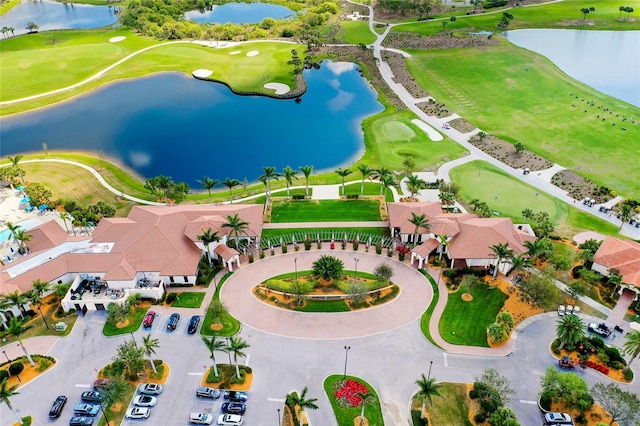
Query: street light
[
  {"x": 279, "y": 422},
  {"x": 355, "y": 276},
  {"x": 430, "y": 365},
  {"x": 346, "y": 357}
]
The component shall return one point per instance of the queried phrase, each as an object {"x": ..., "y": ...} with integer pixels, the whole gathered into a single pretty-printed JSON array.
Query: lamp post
[
  {"x": 43, "y": 318},
  {"x": 430, "y": 365},
  {"x": 355, "y": 276},
  {"x": 279, "y": 421},
  {"x": 346, "y": 357}
]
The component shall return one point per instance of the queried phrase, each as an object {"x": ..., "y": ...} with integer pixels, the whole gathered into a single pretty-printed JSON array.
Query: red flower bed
[
  {"x": 597, "y": 367},
  {"x": 350, "y": 391}
]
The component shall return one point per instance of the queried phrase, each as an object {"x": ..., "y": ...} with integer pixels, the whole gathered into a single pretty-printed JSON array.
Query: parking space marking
[
  {"x": 524, "y": 401},
  {"x": 81, "y": 385}
]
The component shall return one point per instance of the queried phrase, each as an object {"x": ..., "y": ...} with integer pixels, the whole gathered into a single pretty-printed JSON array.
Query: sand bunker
[
  {"x": 253, "y": 53},
  {"x": 202, "y": 73},
  {"x": 433, "y": 134},
  {"x": 116, "y": 39},
  {"x": 235, "y": 52},
  {"x": 280, "y": 88}
]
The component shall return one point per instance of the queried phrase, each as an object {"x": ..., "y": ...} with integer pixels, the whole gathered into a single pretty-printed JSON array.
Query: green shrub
[
  {"x": 171, "y": 297},
  {"x": 4, "y": 374},
  {"x": 16, "y": 368}
]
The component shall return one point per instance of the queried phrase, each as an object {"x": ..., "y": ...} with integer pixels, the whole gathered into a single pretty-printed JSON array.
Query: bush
[
  {"x": 16, "y": 368},
  {"x": 4, "y": 374},
  {"x": 171, "y": 297}
]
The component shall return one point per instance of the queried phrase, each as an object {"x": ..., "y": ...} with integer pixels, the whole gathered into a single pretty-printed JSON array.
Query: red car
[{"x": 148, "y": 319}]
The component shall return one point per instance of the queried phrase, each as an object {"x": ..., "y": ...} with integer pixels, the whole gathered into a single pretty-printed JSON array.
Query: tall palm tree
[
  {"x": 502, "y": 253},
  {"x": 539, "y": 249},
  {"x": 15, "y": 165},
  {"x": 237, "y": 226},
  {"x": 7, "y": 392},
  {"x": 365, "y": 171},
  {"x": 632, "y": 345},
  {"x": 17, "y": 328},
  {"x": 419, "y": 221},
  {"x": 306, "y": 171},
  {"x": 415, "y": 184},
  {"x": 207, "y": 237},
  {"x": 343, "y": 173},
  {"x": 65, "y": 217},
  {"x": 150, "y": 345},
  {"x": 289, "y": 174},
  {"x": 382, "y": 174},
  {"x": 428, "y": 389},
  {"x": 208, "y": 184},
  {"x": 230, "y": 183},
  {"x": 213, "y": 344},
  {"x": 569, "y": 330},
  {"x": 236, "y": 346},
  {"x": 270, "y": 173}
]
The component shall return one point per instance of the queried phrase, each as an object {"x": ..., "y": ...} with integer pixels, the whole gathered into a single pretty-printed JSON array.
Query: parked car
[
  {"x": 81, "y": 421},
  {"x": 229, "y": 420},
  {"x": 58, "y": 405},
  {"x": 148, "y": 319},
  {"x": 151, "y": 389},
  {"x": 92, "y": 396},
  {"x": 145, "y": 401},
  {"x": 600, "y": 329},
  {"x": 100, "y": 384},
  {"x": 234, "y": 408},
  {"x": 173, "y": 321},
  {"x": 201, "y": 418},
  {"x": 193, "y": 324},
  {"x": 558, "y": 419},
  {"x": 85, "y": 409},
  {"x": 138, "y": 413},
  {"x": 205, "y": 392},
  {"x": 236, "y": 396}
]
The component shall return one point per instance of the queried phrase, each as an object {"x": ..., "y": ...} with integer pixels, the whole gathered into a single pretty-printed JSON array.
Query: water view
[
  {"x": 240, "y": 13},
  {"x": 175, "y": 125},
  {"x": 608, "y": 61},
  {"x": 49, "y": 15}
]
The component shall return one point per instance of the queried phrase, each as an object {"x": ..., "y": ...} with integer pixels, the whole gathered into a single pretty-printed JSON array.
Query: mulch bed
[{"x": 505, "y": 152}]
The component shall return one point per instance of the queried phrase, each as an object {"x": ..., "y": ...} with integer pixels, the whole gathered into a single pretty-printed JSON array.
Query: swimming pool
[{"x": 25, "y": 225}]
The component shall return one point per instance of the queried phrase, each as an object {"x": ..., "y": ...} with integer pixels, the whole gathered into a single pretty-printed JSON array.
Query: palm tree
[
  {"x": 237, "y": 225},
  {"x": 236, "y": 346},
  {"x": 288, "y": 173},
  {"x": 65, "y": 216},
  {"x": 365, "y": 171},
  {"x": 6, "y": 393},
  {"x": 16, "y": 298},
  {"x": 16, "y": 328},
  {"x": 306, "y": 171},
  {"x": 208, "y": 184},
  {"x": 14, "y": 164},
  {"x": 415, "y": 184},
  {"x": 207, "y": 237},
  {"x": 420, "y": 221},
  {"x": 150, "y": 345},
  {"x": 569, "y": 330},
  {"x": 302, "y": 401},
  {"x": 214, "y": 345},
  {"x": 632, "y": 345},
  {"x": 502, "y": 253},
  {"x": 343, "y": 173},
  {"x": 626, "y": 212},
  {"x": 230, "y": 183},
  {"x": 428, "y": 389},
  {"x": 270, "y": 173},
  {"x": 538, "y": 249}
]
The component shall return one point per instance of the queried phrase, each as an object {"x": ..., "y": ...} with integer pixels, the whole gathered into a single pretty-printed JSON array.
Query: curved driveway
[{"x": 409, "y": 305}]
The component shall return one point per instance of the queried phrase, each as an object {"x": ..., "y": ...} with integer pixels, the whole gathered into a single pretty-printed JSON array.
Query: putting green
[{"x": 392, "y": 131}]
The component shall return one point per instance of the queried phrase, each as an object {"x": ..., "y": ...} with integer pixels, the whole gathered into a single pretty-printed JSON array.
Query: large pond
[
  {"x": 608, "y": 61},
  {"x": 49, "y": 15},
  {"x": 176, "y": 125},
  {"x": 240, "y": 13}
]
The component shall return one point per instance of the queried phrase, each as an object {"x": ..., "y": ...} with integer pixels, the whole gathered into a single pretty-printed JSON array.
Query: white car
[
  {"x": 229, "y": 420},
  {"x": 138, "y": 413},
  {"x": 201, "y": 418},
  {"x": 151, "y": 389},
  {"x": 145, "y": 401}
]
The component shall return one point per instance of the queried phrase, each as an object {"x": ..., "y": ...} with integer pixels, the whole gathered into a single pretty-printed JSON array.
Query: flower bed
[{"x": 347, "y": 394}]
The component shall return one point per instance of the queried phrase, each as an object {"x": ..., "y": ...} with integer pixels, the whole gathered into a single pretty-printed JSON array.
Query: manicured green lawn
[
  {"x": 549, "y": 125},
  {"x": 325, "y": 211},
  {"x": 483, "y": 181},
  {"x": 452, "y": 409},
  {"x": 465, "y": 323},
  {"x": 230, "y": 325},
  {"x": 135, "y": 318},
  {"x": 356, "y": 32},
  {"x": 189, "y": 299},
  {"x": 346, "y": 416},
  {"x": 390, "y": 137}
]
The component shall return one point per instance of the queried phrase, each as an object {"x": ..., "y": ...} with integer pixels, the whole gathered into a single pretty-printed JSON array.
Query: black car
[
  {"x": 81, "y": 421},
  {"x": 234, "y": 408},
  {"x": 58, "y": 405},
  {"x": 193, "y": 324},
  {"x": 173, "y": 322},
  {"x": 92, "y": 396}
]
